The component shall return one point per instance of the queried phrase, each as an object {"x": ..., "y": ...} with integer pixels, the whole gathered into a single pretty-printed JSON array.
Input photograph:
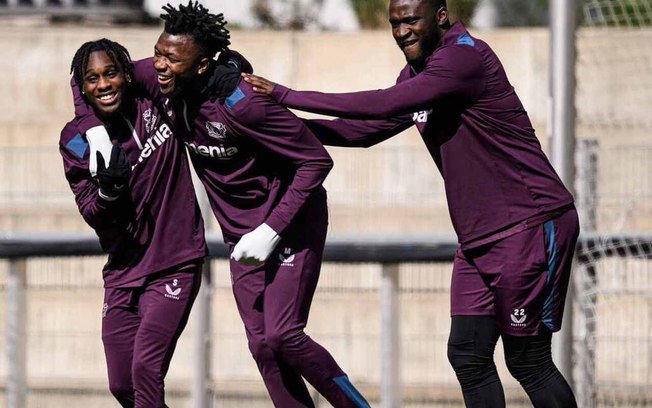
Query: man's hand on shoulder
[{"x": 260, "y": 84}]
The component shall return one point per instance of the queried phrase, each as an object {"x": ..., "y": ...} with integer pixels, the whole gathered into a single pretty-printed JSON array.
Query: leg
[
  {"x": 284, "y": 384},
  {"x": 471, "y": 348},
  {"x": 474, "y": 334},
  {"x": 164, "y": 307},
  {"x": 529, "y": 360},
  {"x": 120, "y": 323},
  {"x": 535, "y": 269},
  {"x": 292, "y": 277}
]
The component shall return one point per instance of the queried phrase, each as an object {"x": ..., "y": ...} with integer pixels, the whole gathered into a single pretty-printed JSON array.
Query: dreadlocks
[
  {"x": 196, "y": 21},
  {"x": 116, "y": 52}
]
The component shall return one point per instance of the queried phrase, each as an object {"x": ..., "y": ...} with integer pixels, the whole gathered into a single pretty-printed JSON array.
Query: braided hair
[
  {"x": 116, "y": 52},
  {"x": 207, "y": 30}
]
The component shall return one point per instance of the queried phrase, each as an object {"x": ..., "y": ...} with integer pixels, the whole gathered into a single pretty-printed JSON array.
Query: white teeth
[
  {"x": 163, "y": 77},
  {"x": 107, "y": 97}
]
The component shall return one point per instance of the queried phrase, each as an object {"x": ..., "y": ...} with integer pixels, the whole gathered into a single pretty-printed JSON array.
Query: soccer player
[
  {"x": 141, "y": 203},
  {"x": 263, "y": 172},
  {"x": 516, "y": 222}
]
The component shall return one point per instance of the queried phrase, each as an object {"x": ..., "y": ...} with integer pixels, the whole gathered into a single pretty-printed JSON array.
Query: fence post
[
  {"x": 563, "y": 24},
  {"x": 16, "y": 334},
  {"x": 390, "y": 395},
  {"x": 585, "y": 276},
  {"x": 202, "y": 388},
  {"x": 202, "y": 395}
]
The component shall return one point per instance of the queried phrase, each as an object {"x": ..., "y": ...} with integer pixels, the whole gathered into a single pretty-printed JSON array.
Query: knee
[
  {"x": 260, "y": 351},
  {"x": 144, "y": 372},
  {"x": 121, "y": 389},
  {"x": 285, "y": 342},
  {"x": 471, "y": 368},
  {"x": 528, "y": 369}
]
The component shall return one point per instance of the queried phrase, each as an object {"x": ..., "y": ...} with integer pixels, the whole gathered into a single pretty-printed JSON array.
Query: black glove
[
  {"x": 223, "y": 79},
  {"x": 115, "y": 179}
]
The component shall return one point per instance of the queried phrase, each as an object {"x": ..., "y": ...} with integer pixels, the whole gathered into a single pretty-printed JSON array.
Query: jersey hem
[{"x": 197, "y": 255}]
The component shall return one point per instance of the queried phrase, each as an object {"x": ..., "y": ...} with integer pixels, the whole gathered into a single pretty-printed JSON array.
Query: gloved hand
[
  {"x": 98, "y": 141},
  {"x": 255, "y": 247},
  {"x": 114, "y": 179},
  {"x": 223, "y": 79}
]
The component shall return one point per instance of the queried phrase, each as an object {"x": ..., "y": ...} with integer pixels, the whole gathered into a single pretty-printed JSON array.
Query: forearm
[
  {"x": 83, "y": 111},
  {"x": 98, "y": 212},
  {"x": 307, "y": 179},
  {"x": 356, "y": 133},
  {"x": 354, "y": 105}
]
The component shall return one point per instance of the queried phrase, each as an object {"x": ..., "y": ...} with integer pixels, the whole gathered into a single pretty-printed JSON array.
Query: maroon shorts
[{"x": 520, "y": 280}]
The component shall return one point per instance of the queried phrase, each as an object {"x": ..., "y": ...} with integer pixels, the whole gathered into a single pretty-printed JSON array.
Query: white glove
[
  {"x": 98, "y": 140},
  {"x": 254, "y": 247}
]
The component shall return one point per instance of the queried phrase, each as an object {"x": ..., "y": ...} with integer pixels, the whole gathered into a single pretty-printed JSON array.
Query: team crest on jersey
[
  {"x": 216, "y": 130},
  {"x": 150, "y": 120}
]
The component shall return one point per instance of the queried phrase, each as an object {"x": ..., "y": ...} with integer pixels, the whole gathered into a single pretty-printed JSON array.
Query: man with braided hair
[
  {"x": 263, "y": 172},
  {"x": 516, "y": 222},
  {"x": 139, "y": 198}
]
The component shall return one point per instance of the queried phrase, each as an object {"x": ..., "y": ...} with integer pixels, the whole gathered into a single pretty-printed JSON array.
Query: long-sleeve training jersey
[
  {"x": 257, "y": 161},
  {"x": 155, "y": 224},
  {"x": 495, "y": 173}
]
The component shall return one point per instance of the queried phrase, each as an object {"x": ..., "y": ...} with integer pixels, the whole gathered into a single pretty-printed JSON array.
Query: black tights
[{"x": 471, "y": 348}]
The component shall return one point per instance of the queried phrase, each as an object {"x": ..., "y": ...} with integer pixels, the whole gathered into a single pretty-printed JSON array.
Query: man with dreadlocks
[
  {"x": 141, "y": 203},
  {"x": 263, "y": 172}
]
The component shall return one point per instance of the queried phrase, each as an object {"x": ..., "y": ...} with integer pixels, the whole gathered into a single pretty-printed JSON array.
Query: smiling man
[
  {"x": 515, "y": 220},
  {"x": 140, "y": 201},
  {"x": 263, "y": 171}
]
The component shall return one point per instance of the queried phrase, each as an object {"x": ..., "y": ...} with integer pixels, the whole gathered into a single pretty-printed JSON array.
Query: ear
[
  {"x": 128, "y": 78},
  {"x": 203, "y": 66},
  {"x": 442, "y": 17}
]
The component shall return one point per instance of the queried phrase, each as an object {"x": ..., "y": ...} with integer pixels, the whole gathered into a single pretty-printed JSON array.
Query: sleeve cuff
[
  {"x": 279, "y": 93},
  {"x": 106, "y": 197},
  {"x": 276, "y": 223}
]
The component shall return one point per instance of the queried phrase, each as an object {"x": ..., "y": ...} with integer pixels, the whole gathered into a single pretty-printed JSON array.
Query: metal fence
[{"x": 381, "y": 309}]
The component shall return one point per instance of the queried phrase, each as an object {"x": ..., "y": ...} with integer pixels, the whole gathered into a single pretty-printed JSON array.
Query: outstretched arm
[
  {"x": 343, "y": 132},
  {"x": 453, "y": 76}
]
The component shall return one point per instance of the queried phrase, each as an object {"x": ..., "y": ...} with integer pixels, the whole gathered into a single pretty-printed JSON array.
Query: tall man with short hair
[{"x": 515, "y": 221}]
